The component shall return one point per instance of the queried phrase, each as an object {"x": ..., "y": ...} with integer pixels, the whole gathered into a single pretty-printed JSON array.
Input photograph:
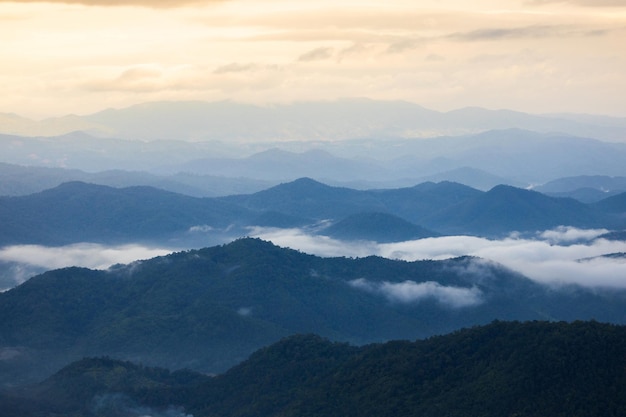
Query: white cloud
[
  {"x": 317, "y": 245},
  {"x": 409, "y": 292},
  {"x": 567, "y": 234},
  {"x": 87, "y": 255},
  {"x": 578, "y": 260}
]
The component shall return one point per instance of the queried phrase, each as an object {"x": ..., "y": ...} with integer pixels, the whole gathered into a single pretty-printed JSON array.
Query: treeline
[{"x": 501, "y": 369}]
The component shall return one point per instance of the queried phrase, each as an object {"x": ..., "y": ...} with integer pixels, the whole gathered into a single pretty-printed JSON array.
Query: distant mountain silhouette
[
  {"x": 276, "y": 164},
  {"x": 472, "y": 177},
  {"x": 23, "y": 180},
  {"x": 518, "y": 157},
  {"x": 314, "y": 120},
  {"x": 310, "y": 198},
  {"x": 79, "y": 212},
  {"x": 505, "y": 209},
  {"x": 377, "y": 227},
  {"x": 585, "y": 188}
]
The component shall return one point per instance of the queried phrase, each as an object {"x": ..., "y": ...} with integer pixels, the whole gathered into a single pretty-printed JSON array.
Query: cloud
[
  {"x": 313, "y": 244},
  {"x": 318, "y": 54},
  {"x": 409, "y": 292},
  {"x": 526, "y": 32},
  {"x": 108, "y": 3},
  {"x": 235, "y": 67},
  {"x": 82, "y": 254},
  {"x": 567, "y": 234},
  {"x": 540, "y": 260},
  {"x": 556, "y": 257},
  {"x": 586, "y": 3}
]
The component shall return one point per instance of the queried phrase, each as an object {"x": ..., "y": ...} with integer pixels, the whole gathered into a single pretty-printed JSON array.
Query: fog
[
  {"x": 23, "y": 261},
  {"x": 410, "y": 292},
  {"x": 555, "y": 257}
]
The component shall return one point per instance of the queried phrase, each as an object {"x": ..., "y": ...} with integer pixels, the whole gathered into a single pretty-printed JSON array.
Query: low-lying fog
[{"x": 562, "y": 256}]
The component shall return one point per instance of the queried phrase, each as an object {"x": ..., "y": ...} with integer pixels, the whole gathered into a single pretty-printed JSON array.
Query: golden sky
[{"x": 80, "y": 56}]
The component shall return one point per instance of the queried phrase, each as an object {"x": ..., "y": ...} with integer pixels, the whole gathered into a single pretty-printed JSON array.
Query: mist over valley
[
  {"x": 198, "y": 254},
  {"x": 218, "y": 208}
]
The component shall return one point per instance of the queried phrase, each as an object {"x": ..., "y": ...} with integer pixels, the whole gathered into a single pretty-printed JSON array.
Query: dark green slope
[
  {"x": 503, "y": 369},
  {"x": 208, "y": 309},
  {"x": 528, "y": 369}
]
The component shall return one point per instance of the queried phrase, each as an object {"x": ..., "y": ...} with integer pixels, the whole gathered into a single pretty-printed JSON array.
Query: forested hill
[
  {"x": 208, "y": 309},
  {"x": 518, "y": 369}
]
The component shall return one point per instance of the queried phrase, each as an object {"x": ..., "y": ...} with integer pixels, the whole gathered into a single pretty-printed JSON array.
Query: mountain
[
  {"x": 321, "y": 120},
  {"x": 504, "y": 209},
  {"x": 585, "y": 188},
  {"x": 518, "y": 157},
  {"x": 614, "y": 205},
  {"x": 276, "y": 164},
  {"x": 472, "y": 177},
  {"x": 500, "y": 369},
  {"x": 79, "y": 212},
  {"x": 208, "y": 309},
  {"x": 310, "y": 198},
  {"x": 24, "y": 180},
  {"x": 377, "y": 227},
  {"x": 421, "y": 201},
  {"x": 443, "y": 207}
]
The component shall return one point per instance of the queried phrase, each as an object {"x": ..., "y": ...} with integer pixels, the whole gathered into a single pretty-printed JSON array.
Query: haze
[{"x": 75, "y": 56}]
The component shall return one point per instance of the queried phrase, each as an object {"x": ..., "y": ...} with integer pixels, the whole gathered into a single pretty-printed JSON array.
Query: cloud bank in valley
[
  {"x": 555, "y": 257},
  {"x": 26, "y": 258},
  {"x": 408, "y": 292}
]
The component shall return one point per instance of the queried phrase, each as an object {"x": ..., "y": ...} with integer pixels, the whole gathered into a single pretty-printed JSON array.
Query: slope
[
  {"x": 78, "y": 212},
  {"x": 208, "y": 309},
  {"x": 505, "y": 209},
  {"x": 501, "y": 369}
]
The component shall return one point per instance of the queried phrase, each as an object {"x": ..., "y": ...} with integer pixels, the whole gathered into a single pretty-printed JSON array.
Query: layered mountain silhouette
[
  {"x": 505, "y": 155},
  {"x": 377, "y": 227},
  {"x": 338, "y": 119},
  {"x": 501, "y": 369},
  {"x": 208, "y": 309},
  {"x": 80, "y": 212}
]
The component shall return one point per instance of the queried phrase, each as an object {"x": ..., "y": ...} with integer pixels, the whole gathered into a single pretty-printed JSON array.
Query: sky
[{"x": 537, "y": 56}]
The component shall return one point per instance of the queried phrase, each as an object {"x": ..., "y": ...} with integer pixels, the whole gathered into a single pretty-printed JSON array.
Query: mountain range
[
  {"x": 355, "y": 143},
  {"x": 329, "y": 120},
  {"x": 513, "y": 157},
  {"x": 208, "y": 309},
  {"x": 79, "y": 212},
  {"x": 522, "y": 369},
  {"x": 254, "y": 329}
]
